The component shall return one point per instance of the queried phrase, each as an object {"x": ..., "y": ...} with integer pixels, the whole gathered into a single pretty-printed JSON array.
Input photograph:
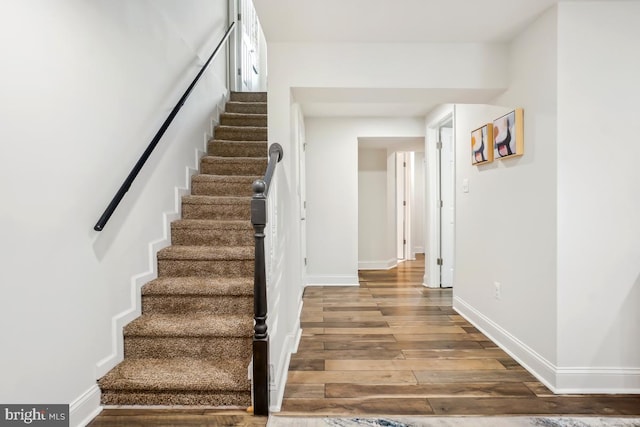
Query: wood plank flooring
[
  {"x": 394, "y": 347},
  {"x": 139, "y": 417}
]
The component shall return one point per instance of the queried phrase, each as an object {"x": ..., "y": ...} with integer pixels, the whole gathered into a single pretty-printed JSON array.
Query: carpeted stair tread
[
  {"x": 190, "y": 325},
  {"x": 177, "y": 374},
  {"x": 216, "y": 200},
  {"x": 241, "y": 133},
  {"x": 203, "y": 232},
  {"x": 204, "y": 286},
  {"x": 220, "y": 165},
  {"x": 216, "y": 207},
  {"x": 243, "y": 119},
  {"x": 233, "y": 179},
  {"x": 246, "y": 107},
  {"x": 248, "y": 96},
  {"x": 211, "y": 224},
  {"x": 223, "y": 185},
  {"x": 206, "y": 253},
  {"x": 235, "y": 160},
  {"x": 227, "y": 148},
  {"x": 255, "y": 162}
]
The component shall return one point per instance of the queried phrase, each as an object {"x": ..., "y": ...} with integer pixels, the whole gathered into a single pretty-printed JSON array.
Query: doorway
[
  {"x": 440, "y": 260},
  {"x": 246, "y": 56},
  {"x": 403, "y": 205},
  {"x": 390, "y": 201}
]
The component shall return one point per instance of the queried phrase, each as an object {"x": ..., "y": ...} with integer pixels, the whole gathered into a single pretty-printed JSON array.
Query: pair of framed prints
[{"x": 503, "y": 138}]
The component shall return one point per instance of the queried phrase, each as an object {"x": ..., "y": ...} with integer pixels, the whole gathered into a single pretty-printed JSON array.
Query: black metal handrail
[
  {"x": 260, "y": 335},
  {"x": 152, "y": 145}
]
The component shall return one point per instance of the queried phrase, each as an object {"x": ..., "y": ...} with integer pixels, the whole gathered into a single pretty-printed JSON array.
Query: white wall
[
  {"x": 598, "y": 176},
  {"x": 85, "y": 85},
  {"x": 332, "y": 191},
  {"x": 375, "y": 251},
  {"x": 506, "y": 223}
]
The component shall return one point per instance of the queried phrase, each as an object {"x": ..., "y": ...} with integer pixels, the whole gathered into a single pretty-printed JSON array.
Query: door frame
[
  {"x": 300, "y": 142},
  {"x": 432, "y": 277},
  {"x": 233, "y": 47},
  {"x": 402, "y": 203},
  {"x": 241, "y": 12}
]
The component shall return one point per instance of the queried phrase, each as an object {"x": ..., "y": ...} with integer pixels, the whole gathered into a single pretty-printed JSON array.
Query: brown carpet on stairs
[{"x": 192, "y": 343}]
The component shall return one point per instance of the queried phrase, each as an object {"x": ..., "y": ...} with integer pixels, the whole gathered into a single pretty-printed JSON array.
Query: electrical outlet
[{"x": 497, "y": 290}]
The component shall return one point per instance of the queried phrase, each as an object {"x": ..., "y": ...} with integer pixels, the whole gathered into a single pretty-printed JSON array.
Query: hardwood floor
[
  {"x": 394, "y": 347},
  {"x": 183, "y": 417}
]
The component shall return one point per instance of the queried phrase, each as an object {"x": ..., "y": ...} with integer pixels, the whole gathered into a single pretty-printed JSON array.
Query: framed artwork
[
  {"x": 482, "y": 145},
  {"x": 508, "y": 135}
]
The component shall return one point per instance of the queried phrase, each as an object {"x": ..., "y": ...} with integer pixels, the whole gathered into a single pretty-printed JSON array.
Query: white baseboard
[
  {"x": 332, "y": 281},
  {"x": 85, "y": 408},
  {"x": 597, "y": 381},
  {"x": 560, "y": 380},
  {"x": 377, "y": 265},
  {"x": 290, "y": 346}
]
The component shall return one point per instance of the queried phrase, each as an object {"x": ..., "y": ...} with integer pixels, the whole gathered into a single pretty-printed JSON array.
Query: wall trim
[
  {"x": 597, "y": 380},
  {"x": 290, "y": 346},
  {"x": 311, "y": 280},
  {"x": 560, "y": 380},
  {"x": 85, "y": 407},
  {"x": 120, "y": 320},
  {"x": 378, "y": 265}
]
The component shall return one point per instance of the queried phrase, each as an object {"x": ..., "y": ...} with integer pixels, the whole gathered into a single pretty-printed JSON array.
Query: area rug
[{"x": 276, "y": 421}]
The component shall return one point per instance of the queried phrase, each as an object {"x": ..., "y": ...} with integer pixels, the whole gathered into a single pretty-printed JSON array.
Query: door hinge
[
  {"x": 404, "y": 203},
  {"x": 439, "y": 261},
  {"x": 239, "y": 71},
  {"x": 404, "y": 242},
  {"x": 404, "y": 164},
  {"x": 305, "y": 262},
  {"x": 441, "y": 204},
  {"x": 304, "y": 146},
  {"x": 239, "y": 17},
  {"x": 304, "y": 204},
  {"x": 439, "y": 145}
]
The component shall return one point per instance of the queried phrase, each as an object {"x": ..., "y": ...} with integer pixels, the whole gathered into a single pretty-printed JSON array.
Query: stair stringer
[{"x": 120, "y": 320}]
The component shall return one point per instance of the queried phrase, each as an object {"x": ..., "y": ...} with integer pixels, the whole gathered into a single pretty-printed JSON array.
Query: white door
[
  {"x": 447, "y": 185},
  {"x": 401, "y": 202},
  {"x": 245, "y": 61}
]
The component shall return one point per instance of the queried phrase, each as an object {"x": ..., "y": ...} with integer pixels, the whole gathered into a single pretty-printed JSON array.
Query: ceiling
[
  {"x": 396, "y": 21},
  {"x": 392, "y": 21}
]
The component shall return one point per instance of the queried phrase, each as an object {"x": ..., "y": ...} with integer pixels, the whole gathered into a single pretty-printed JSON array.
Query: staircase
[{"x": 192, "y": 343}]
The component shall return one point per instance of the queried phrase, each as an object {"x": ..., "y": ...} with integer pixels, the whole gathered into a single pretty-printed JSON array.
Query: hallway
[{"x": 394, "y": 347}]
